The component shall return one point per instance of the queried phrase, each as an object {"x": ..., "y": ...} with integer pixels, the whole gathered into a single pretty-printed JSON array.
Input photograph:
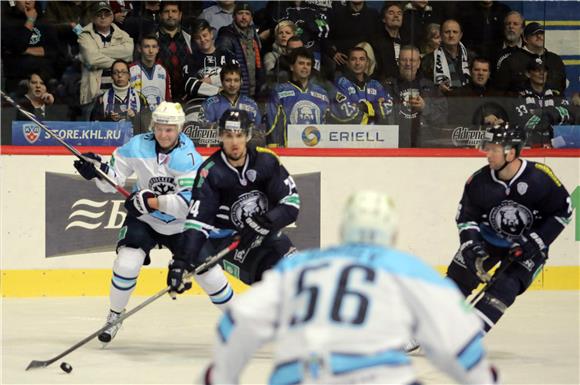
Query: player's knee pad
[
  {"x": 126, "y": 267},
  {"x": 216, "y": 285}
]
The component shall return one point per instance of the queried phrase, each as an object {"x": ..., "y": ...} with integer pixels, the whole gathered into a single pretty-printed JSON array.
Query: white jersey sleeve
[
  {"x": 249, "y": 323},
  {"x": 448, "y": 331}
]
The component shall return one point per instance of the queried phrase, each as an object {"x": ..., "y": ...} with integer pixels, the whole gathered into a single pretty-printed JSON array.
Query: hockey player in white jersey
[
  {"x": 165, "y": 163},
  {"x": 344, "y": 314}
]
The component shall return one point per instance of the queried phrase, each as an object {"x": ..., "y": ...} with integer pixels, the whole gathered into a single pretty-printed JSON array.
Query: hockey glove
[
  {"x": 256, "y": 227},
  {"x": 474, "y": 256},
  {"x": 137, "y": 205},
  {"x": 532, "y": 246},
  {"x": 175, "y": 276},
  {"x": 87, "y": 168}
]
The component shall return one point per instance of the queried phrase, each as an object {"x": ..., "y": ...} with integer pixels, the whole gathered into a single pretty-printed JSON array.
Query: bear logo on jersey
[
  {"x": 250, "y": 203},
  {"x": 162, "y": 185},
  {"x": 510, "y": 219},
  {"x": 305, "y": 112}
]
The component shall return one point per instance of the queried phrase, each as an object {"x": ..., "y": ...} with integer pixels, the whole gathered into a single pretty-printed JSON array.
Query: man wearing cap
[
  {"x": 538, "y": 108},
  {"x": 101, "y": 43},
  {"x": 243, "y": 41},
  {"x": 511, "y": 75}
]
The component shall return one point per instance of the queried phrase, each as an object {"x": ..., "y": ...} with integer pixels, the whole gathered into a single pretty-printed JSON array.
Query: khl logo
[{"x": 93, "y": 214}]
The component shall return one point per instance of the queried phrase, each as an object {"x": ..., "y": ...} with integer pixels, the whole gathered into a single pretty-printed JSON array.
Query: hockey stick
[
  {"x": 208, "y": 263},
  {"x": 73, "y": 150},
  {"x": 481, "y": 293}
]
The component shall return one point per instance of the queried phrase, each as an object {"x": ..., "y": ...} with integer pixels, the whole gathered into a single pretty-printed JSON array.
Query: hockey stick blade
[
  {"x": 73, "y": 150},
  {"x": 207, "y": 264}
]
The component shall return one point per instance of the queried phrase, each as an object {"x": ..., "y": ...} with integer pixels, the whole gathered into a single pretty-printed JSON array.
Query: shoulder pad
[
  {"x": 548, "y": 171},
  {"x": 264, "y": 150}
]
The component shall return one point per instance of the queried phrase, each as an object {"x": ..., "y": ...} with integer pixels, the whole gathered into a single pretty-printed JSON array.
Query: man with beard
[
  {"x": 174, "y": 45},
  {"x": 242, "y": 191}
]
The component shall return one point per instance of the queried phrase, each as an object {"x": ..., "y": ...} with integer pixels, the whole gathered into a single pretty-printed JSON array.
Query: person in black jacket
[
  {"x": 511, "y": 75},
  {"x": 28, "y": 45}
]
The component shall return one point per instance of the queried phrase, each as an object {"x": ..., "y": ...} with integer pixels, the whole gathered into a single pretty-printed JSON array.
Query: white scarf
[{"x": 441, "y": 67}]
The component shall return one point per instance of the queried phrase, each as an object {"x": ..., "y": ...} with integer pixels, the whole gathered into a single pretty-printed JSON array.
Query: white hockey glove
[{"x": 137, "y": 204}]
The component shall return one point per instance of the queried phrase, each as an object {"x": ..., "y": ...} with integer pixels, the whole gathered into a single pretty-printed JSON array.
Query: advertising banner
[
  {"x": 82, "y": 219},
  {"x": 27, "y": 133},
  {"x": 342, "y": 136},
  {"x": 202, "y": 134}
]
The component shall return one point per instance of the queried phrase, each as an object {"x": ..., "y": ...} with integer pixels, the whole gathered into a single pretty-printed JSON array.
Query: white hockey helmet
[
  {"x": 169, "y": 113},
  {"x": 369, "y": 217}
]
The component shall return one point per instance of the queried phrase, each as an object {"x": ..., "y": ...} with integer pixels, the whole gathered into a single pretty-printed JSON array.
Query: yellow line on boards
[
  {"x": 571, "y": 62},
  {"x": 79, "y": 282},
  {"x": 553, "y": 23}
]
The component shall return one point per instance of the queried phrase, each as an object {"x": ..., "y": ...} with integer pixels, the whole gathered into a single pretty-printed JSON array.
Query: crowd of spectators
[{"x": 421, "y": 65}]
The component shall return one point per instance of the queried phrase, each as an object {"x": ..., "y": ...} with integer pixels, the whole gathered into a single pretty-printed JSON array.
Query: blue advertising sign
[{"x": 27, "y": 133}]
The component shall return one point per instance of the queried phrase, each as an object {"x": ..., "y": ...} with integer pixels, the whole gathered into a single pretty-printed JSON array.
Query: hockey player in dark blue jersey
[
  {"x": 511, "y": 212},
  {"x": 238, "y": 190}
]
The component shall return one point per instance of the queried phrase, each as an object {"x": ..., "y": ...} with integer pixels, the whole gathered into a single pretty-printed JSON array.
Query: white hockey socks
[
  {"x": 125, "y": 272},
  {"x": 216, "y": 285}
]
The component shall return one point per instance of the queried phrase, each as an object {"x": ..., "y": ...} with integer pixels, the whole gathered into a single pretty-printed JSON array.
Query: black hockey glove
[
  {"x": 474, "y": 256},
  {"x": 256, "y": 227},
  {"x": 532, "y": 246},
  {"x": 137, "y": 205},
  {"x": 87, "y": 169},
  {"x": 175, "y": 279}
]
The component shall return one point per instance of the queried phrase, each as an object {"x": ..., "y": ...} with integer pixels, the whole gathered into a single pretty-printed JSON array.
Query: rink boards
[{"x": 426, "y": 190}]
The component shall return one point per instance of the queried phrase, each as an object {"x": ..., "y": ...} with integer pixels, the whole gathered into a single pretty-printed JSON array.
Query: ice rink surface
[{"x": 168, "y": 342}]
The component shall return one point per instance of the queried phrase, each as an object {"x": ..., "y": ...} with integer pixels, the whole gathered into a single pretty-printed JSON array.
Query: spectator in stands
[
  {"x": 512, "y": 37},
  {"x": 230, "y": 98},
  {"x": 144, "y": 22},
  {"x": 202, "y": 71},
  {"x": 37, "y": 99},
  {"x": 477, "y": 103},
  {"x": 28, "y": 44},
  {"x": 388, "y": 42},
  {"x": 358, "y": 98},
  {"x": 122, "y": 102},
  {"x": 283, "y": 31},
  {"x": 174, "y": 46},
  {"x": 432, "y": 39},
  {"x": 101, "y": 43},
  {"x": 219, "y": 15},
  {"x": 241, "y": 38},
  {"x": 281, "y": 71},
  {"x": 416, "y": 16},
  {"x": 349, "y": 25},
  {"x": 448, "y": 65},
  {"x": 418, "y": 104},
  {"x": 511, "y": 75},
  {"x": 120, "y": 11},
  {"x": 149, "y": 77},
  {"x": 483, "y": 23},
  {"x": 538, "y": 107},
  {"x": 298, "y": 101}
]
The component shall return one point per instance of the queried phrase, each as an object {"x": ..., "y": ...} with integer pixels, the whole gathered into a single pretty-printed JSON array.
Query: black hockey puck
[{"x": 66, "y": 367}]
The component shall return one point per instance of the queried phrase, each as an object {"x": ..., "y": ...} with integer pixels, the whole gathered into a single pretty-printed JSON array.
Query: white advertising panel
[{"x": 342, "y": 136}]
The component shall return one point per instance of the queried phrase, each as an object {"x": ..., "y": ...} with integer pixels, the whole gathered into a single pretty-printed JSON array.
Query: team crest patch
[
  {"x": 510, "y": 219},
  {"x": 522, "y": 187},
  {"x": 31, "y": 132},
  {"x": 251, "y": 175},
  {"x": 162, "y": 185}
]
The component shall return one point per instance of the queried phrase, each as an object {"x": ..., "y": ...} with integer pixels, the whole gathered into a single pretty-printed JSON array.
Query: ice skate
[
  {"x": 412, "y": 346},
  {"x": 108, "y": 334}
]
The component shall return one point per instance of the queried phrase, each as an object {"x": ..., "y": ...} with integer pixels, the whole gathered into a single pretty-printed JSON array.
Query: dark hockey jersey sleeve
[
  {"x": 468, "y": 213},
  {"x": 200, "y": 218},
  {"x": 282, "y": 190},
  {"x": 556, "y": 205}
]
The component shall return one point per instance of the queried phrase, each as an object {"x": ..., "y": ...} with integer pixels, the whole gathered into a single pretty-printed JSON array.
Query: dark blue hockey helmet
[
  {"x": 508, "y": 137},
  {"x": 235, "y": 120}
]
